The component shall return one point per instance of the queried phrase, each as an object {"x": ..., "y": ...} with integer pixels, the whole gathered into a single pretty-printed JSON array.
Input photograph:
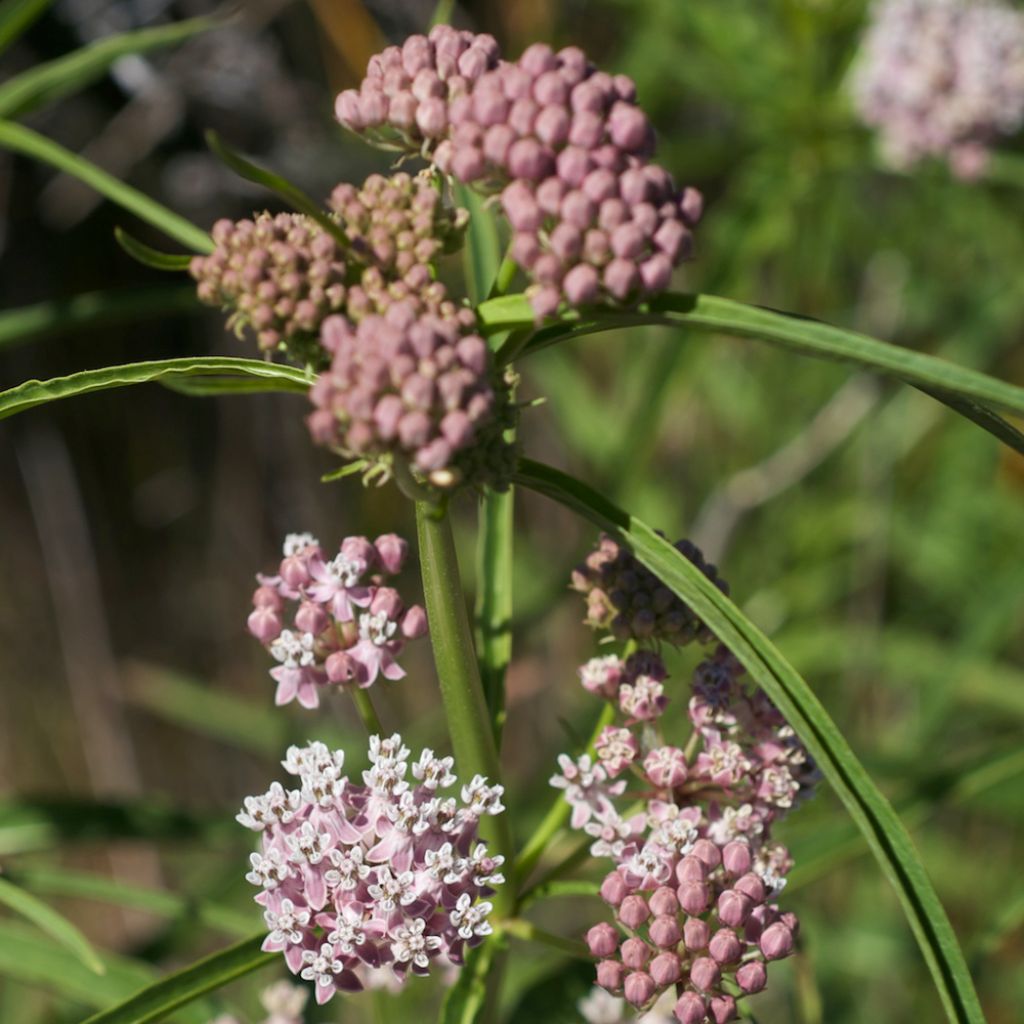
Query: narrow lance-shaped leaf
[
  {"x": 17, "y": 16},
  {"x": 48, "y": 82},
  {"x": 150, "y": 257},
  {"x": 969, "y": 392},
  {"x": 23, "y": 140},
  {"x": 44, "y": 917},
  {"x": 872, "y": 812},
  {"x": 158, "y": 1000},
  {"x": 35, "y": 392}
]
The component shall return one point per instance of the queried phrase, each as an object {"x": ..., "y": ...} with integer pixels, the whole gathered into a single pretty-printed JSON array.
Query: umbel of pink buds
[
  {"x": 388, "y": 873},
  {"x": 410, "y": 385},
  {"x": 628, "y": 600},
  {"x": 564, "y": 144},
  {"x": 941, "y": 78},
  {"x": 280, "y": 276},
  {"x": 344, "y": 625}
]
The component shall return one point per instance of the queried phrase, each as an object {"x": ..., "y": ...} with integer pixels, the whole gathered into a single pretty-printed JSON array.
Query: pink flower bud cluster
[
  {"x": 565, "y": 144},
  {"x": 399, "y": 222},
  {"x": 279, "y": 275},
  {"x": 389, "y": 873},
  {"x": 407, "y": 384},
  {"x": 346, "y": 628},
  {"x": 941, "y": 78},
  {"x": 630, "y": 602},
  {"x": 283, "y": 1003}
]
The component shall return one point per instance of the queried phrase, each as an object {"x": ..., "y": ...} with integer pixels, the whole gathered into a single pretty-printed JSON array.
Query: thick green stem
[{"x": 461, "y": 689}]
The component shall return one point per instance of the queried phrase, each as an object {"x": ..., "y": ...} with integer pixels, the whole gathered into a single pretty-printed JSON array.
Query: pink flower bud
[
  {"x": 388, "y": 601},
  {"x": 614, "y": 889},
  {"x": 359, "y": 549},
  {"x": 776, "y": 941},
  {"x": 696, "y": 933},
  {"x": 432, "y": 117},
  {"x": 621, "y": 278},
  {"x": 294, "y": 572},
  {"x": 690, "y": 1009},
  {"x": 705, "y": 973},
  {"x": 610, "y": 974},
  {"x": 414, "y": 623},
  {"x": 789, "y": 919},
  {"x": 311, "y": 618},
  {"x": 665, "y": 969},
  {"x": 633, "y": 911},
  {"x": 602, "y": 940},
  {"x": 346, "y": 109},
  {"x": 468, "y": 164},
  {"x": 581, "y": 285},
  {"x": 693, "y": 897},
  {"x": 663, "y": 901},
  {"x": 635, "y": 953},
  {"x": 752, "y": 977},
  {"x": 638, "y": 988},
  {"x": 528, "y": 159},
  {"x": 545, "y": 301},
  {"x": 733, "y": 908},
  {"x": 723, "y": 1009},
  {"x": 666, "y": 767},
  {"x": 724, "y": 946},
  {"x": 691, "y": 869},
  {"x": 392, "y": 551},
  {"x": 628, "y": 127},
  {"x": 656, "y": 273},
  {"x": 552, "y": 126},
  {"x": 341, "y": 667},
  {"x": 664, "y": 931},
  {"x": 265, "y": 624},
  {"x": 751, "y": 886},
  {"x": 708, "y": 852},
  {"x": 267, "y": 597},
  {"x": 736, "y": 857},
  {"x": 759, "y": 919},
  {"x": 574, "y": 164},
  {"x": 691, "y": 206}
]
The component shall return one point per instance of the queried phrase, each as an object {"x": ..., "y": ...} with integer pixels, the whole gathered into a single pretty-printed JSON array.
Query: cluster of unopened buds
[
  {"x": 347, "y": 627},
  {"x": 384, "y": 874},
  {"x": 942, "y": 78},
  {"x": 564, "y": 144},
  {"x": 282, "y": 1002},
  {"x": 696, "y": 871}
]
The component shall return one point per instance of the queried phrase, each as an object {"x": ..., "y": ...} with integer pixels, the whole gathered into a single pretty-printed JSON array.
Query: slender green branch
[
  {"x": 527, "y": 931},
  {"x": 458, "y": 673},
  {"x": 557, "y": 814},
  {"x": 367, "y": 712}
]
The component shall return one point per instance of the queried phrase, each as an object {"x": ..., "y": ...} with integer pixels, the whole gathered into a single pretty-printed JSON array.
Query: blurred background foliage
[{"x": 876, "y": 536}]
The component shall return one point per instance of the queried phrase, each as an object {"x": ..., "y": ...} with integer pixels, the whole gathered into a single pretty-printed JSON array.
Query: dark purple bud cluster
[
  {"x": 279, "y": 275},
  {"x": 408, "y": 383},
  {"x": 565, "y": 144},
  {"x": 629, "y": 601},
  {"x": 398, "y": 223}
]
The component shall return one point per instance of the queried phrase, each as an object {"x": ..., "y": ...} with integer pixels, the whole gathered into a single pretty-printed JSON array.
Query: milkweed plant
[{"x": 377, "y": 866}]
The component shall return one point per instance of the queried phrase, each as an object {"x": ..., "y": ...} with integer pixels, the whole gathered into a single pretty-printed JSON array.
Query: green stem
[
  {"x": 367, "y": 712},
  {"x": 504, "y": 278},
  {"x": 557, "y": 814},
  {"x": 527, "y": 931},
  {"x": 458, "y": 673}
]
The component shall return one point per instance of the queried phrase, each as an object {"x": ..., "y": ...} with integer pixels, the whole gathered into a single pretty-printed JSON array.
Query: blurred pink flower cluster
[
  {"x": 389, "y": 873},
  {"x": 347, "y": 627}
]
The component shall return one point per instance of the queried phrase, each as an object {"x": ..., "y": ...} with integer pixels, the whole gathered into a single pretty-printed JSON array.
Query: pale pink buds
[
  {"x": 705, "y": 973},
  {"x": 723, "y": 1009},
  {"x": 614, "y": 889},
  {"x": 602, "y": 940},
  {"x": 690, "y": 1009},
  {"x": 664, "y": 931},
  {"x": 633, "y": 911},
  {"x": 696, "y": 933},
  {"x": 610, "y": 974},
  {"x": 752, "y": 976},
  {"x": 265, "y": 623},
  {"x": 736, "y": 857},
  {"x": 733, "y": 908},
  {"x": 666, "y": 767},
  {"x": 691, "y": 869},
  {"x": 693, "y": 897},
  {"x": 724, "y": 946},
  {"x": 665, "y": 969},
  {"x": 776, "y": 941},
  {"x": 638, "y": 988},
  {"x": 751, "y": 886},
  {"x": 635, "y": 953},
  {"x": 663, "y": 901},
  {"x": 414, "y": 623},
  {"x": 707, "y": 852}
]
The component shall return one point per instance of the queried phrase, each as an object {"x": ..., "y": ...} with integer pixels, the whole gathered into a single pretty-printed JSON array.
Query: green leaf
[
  {"x": 148, "y": 256},
  {"x": 93, "y": 309},
  {"x": 465, "y": 1000},
  {"x": 44, "y": 917},
  {"x": 554, "y": 999},
  {"x": 215, "y": 386},
  {"x": 291, "y": 194},
  {"x": 23, "y": 140},
  {"x": 482, "y": 253},
  {"x": 64, "y": 882},
  {"x": 872, "y": 812},
  {"x": 158, "y": 1000},
  {"x": 17, "y": 16},
  {"x": 48, "y": 82},
  {"x": 342, "y": 473},
  {"x": 968, "y": 392},
  {"x": 34, "y": 392}
]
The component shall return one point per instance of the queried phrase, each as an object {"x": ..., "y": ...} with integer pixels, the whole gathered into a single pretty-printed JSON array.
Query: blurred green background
[{"x": 874, "y": 535}]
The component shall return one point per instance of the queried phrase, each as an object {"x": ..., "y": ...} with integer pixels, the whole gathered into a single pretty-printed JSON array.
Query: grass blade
[
  {"x": 36, "y": 392},
  {"x": 158, "y": 1000},
  {"x": 23, "y": 140},
  {"x": 47, "y": 920},
  {"x": 48, "y": 82},
  {"x": 148, "y": 256},
  {"x": 17, "y": 16},
  {"x": 93, "y": 309},
  {"x": 872, "y": 812},
  {"x": 969, "y": 392}
]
